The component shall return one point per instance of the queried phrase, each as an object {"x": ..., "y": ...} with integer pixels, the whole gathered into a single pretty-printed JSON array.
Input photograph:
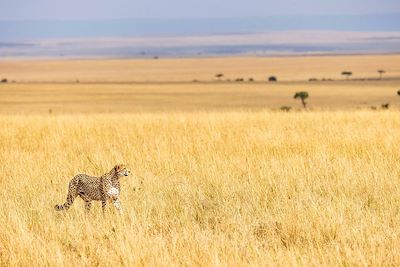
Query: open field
[
  {"x": 213, "y": 188},
  {"x": 177, "y": 97},
  {"x": 166, "y": 85},
  {"x": 219, "y": 177},
  {"x": 201, "y": 69}
]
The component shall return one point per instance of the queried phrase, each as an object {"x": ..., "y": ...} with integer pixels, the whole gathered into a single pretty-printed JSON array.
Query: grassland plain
[
  {"x": 208, "y": 188},
  {"x": 201, "y": 69},
  {"x": 192, "y": 97}
]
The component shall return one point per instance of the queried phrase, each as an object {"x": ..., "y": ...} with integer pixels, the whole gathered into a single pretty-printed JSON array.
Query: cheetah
[{"x": 104, "y": 188}]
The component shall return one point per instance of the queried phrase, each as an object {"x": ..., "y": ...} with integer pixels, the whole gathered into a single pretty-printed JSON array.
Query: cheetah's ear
[{"x": 116, "y": 168}]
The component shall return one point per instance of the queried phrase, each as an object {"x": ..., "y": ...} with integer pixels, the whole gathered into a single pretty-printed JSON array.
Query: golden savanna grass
[
  {"x": 208, "y": 188},
  {"x": 201, "y": 69},
  {"x": 218, "y": 176}
]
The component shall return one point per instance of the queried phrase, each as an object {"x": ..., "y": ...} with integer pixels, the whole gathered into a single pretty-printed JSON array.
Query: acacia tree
[
  {"x": 347, "y": 74},
  {"x": 381, "y": 72},
  {"x": 303, "y": 95},
  {"x": 219, "y": 76}
]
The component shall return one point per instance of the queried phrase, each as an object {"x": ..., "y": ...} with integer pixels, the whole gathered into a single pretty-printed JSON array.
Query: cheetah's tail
[{"x": 70, "y": 198}]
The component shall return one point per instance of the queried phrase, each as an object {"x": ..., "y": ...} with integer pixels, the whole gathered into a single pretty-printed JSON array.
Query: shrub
[
  {"x": 219, "y": 76},
  {"x": 286, "y": 108},
  {"x": 385, "y": 106},
  {"x": 272, "y": 79}
]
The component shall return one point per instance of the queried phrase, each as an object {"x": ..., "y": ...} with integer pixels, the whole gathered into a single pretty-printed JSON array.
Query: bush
[
  {"x": 272, "y": 79},
  {"x": 4, "y": 80},
  {"x": 385, "y": 106},
  {"x": 286, "y": 108}
]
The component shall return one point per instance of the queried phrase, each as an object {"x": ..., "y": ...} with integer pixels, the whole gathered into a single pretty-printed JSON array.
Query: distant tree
[
  {"x": 239, "y": 80},
  {"x": 385, "y": 106},
  {"x": 286, "y": 108},
  {"x": 272, "y": 79},
  {"x": 251, "y": 80},
  {"x": 381, "y": 72},
  {"x": 4, "y": 80},
  {"x": 303, "y": 95},
  {"x": 219, "y": 76},
  {"x": 347, "y": 74},
  {"x": 398, "y": 93}
]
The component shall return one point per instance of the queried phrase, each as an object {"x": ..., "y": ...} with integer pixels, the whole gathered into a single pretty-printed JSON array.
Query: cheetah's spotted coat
[{"x": 104, "y": 188}]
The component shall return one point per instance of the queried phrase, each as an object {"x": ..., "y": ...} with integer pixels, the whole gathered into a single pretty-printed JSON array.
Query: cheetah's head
[{"x": 121, "y": 170}]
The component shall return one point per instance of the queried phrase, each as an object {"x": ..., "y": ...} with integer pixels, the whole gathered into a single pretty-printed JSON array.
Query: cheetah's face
[{"x": 121, "y": 170}]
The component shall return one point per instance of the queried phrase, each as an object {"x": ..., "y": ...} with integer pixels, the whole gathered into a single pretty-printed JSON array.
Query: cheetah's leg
[
  {"x": 103, "y": 205},
  {"x": 70, "y": 198},
  {"x": 117, "y": 204}
]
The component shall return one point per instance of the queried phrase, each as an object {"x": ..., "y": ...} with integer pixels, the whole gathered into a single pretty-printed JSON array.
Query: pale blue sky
[{"x": 105, "y": 9}]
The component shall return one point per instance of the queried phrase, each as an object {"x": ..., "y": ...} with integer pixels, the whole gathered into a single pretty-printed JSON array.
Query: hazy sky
[{"x": 103, "y": 9}]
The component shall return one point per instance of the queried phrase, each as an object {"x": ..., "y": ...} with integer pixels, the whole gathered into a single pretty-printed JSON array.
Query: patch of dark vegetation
[
  {"x": 303, "y": 95},
  {"x": 381, "y": 72},
  {"x": 285, "y": 108},
  {"x": 347, "y": 74},
  {"x": 385, "y": 106},
  {"x": 219, "y": 76},
  {"x": 272, "y": 79}
]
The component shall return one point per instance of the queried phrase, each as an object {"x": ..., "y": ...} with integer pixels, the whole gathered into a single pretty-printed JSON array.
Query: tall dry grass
[{"x": 233, "y": 188}]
